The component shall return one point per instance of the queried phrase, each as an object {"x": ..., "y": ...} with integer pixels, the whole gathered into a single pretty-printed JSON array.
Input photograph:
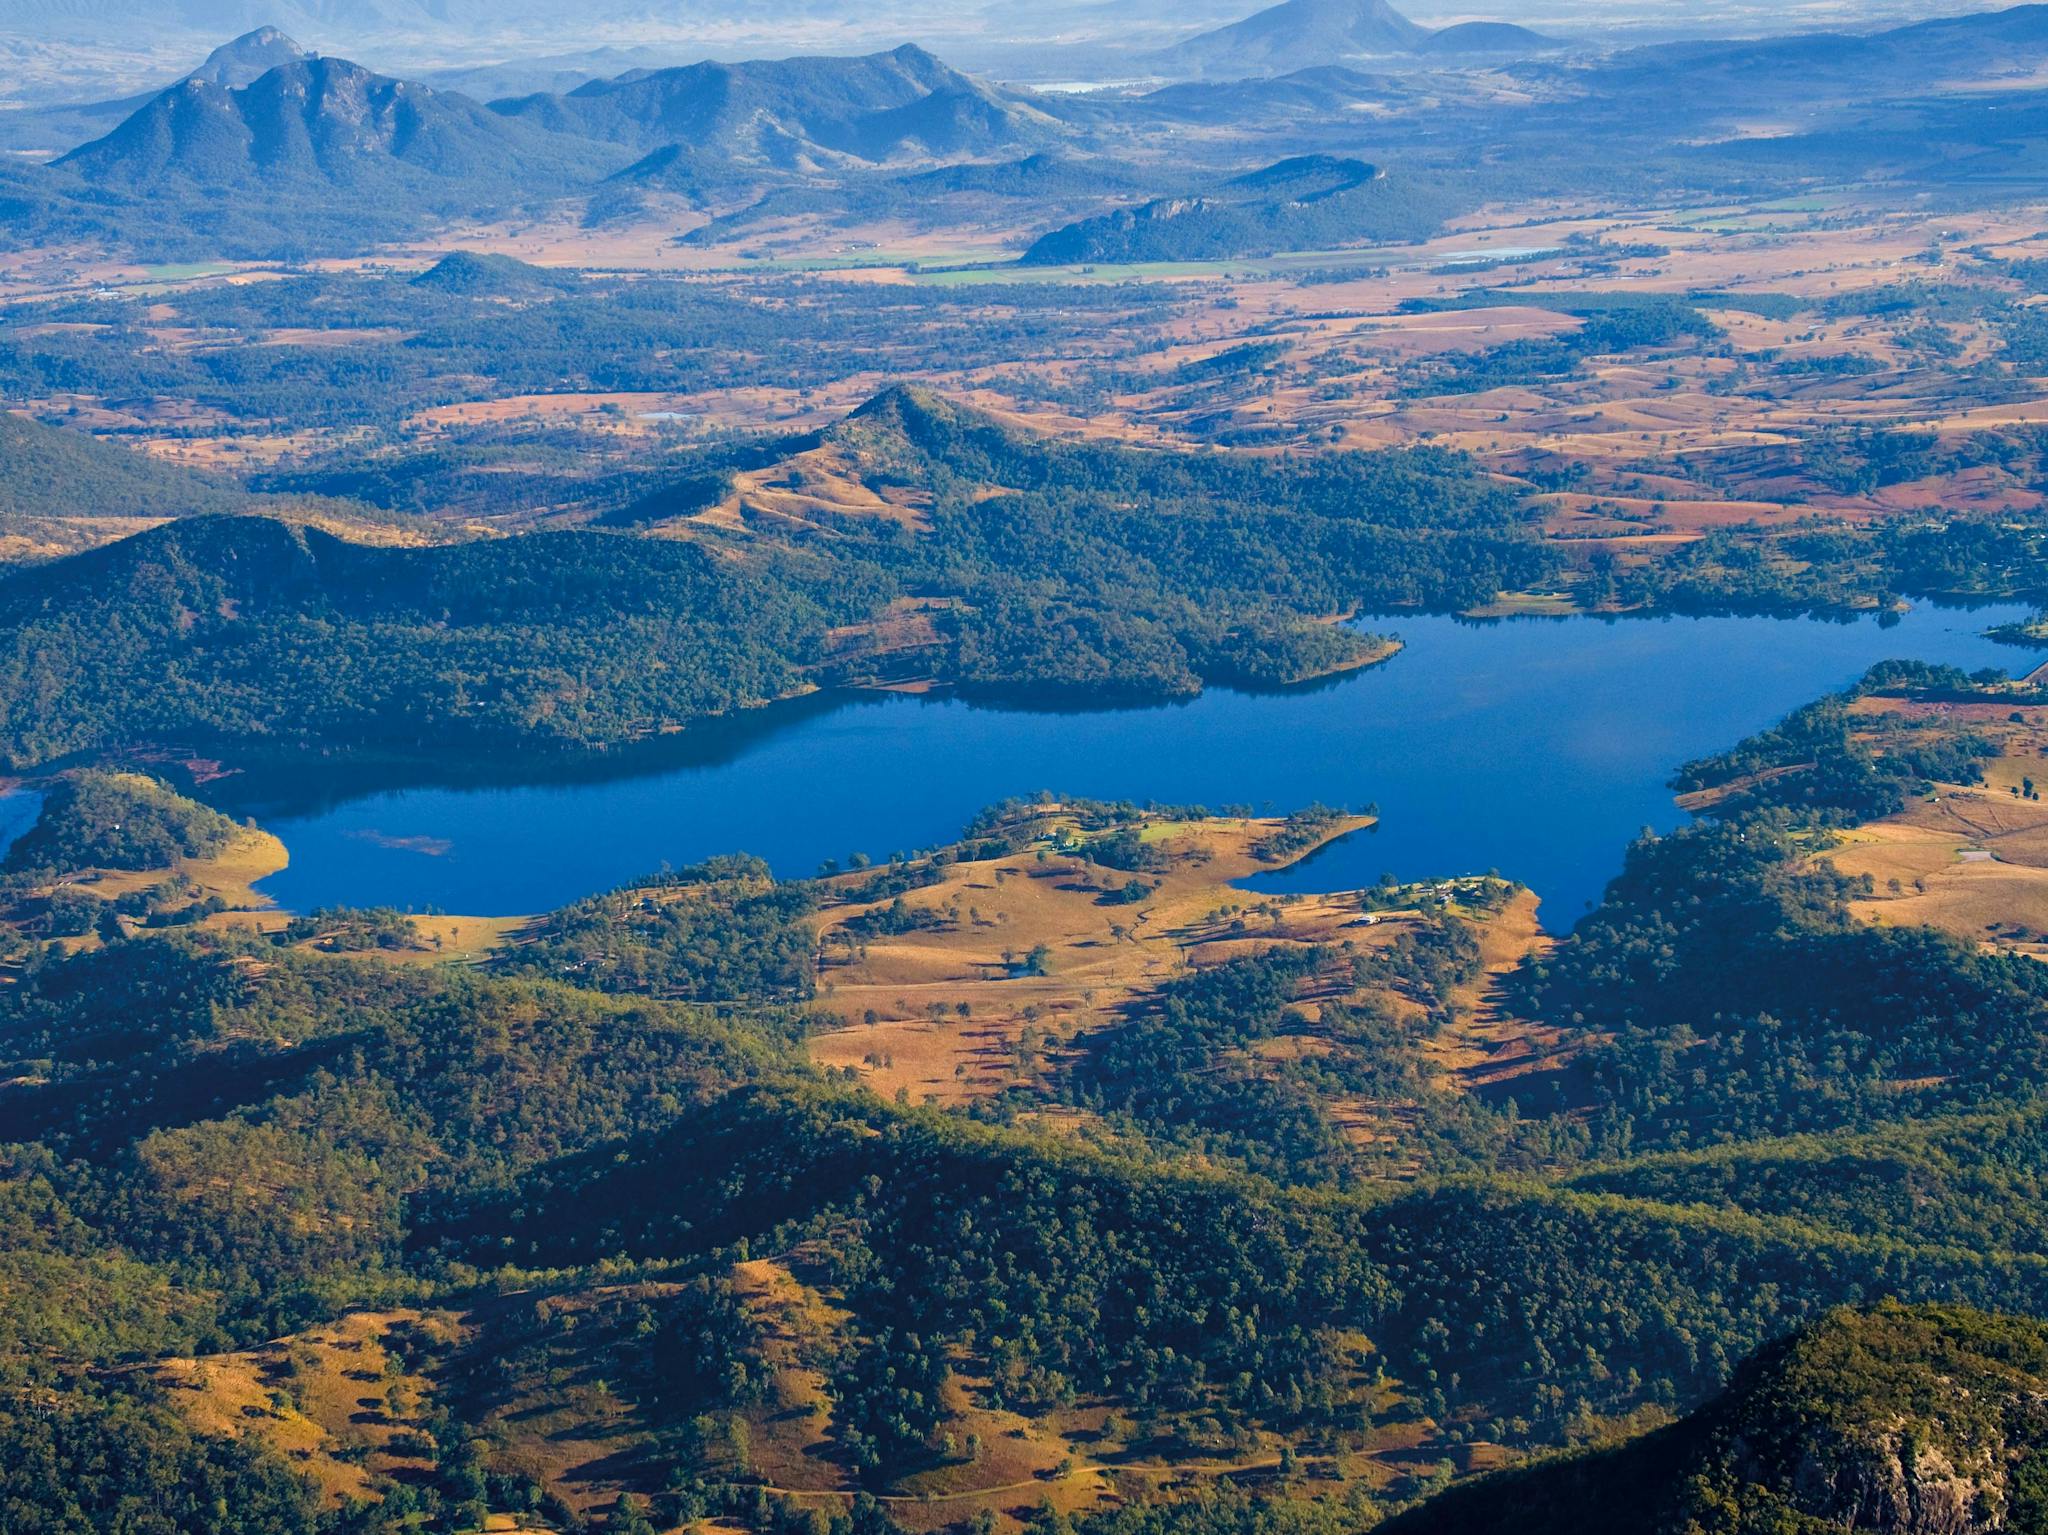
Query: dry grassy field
[
  {"x": 1968, "y": 859},
  {"x": 337, "y": 1402},
  {"x": 1024, "y": 956},
  {"x": 350, "y": 1404}
]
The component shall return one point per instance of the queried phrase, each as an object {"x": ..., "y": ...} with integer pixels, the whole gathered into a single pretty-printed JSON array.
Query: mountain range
[
  {"x": 794, "y": 114},
  {"x": 265, "y": 150},
  {"x": 312, "y": 150},
  {"x": 1981, "y": 45},
  {"x": 317, "y": 125}
]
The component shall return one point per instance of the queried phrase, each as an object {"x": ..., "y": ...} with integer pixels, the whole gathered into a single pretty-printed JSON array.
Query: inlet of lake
[{"x": 1536, "y": 747}]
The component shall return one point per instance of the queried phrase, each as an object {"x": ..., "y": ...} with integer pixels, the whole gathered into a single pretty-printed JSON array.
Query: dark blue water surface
[
  {"x": 1537, "y": 747},
  {"x": 19, "y": 811}
]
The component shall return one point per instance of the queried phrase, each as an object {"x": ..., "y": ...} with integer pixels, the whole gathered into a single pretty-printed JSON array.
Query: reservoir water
[{"x": 1538, "y": 747}]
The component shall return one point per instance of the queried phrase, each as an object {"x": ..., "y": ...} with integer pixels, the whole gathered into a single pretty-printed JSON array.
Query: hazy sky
[{"x": 69, "y": 49}]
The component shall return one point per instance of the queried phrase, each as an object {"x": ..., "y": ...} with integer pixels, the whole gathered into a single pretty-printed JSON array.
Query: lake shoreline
[{"x": 1534, "y": 749}]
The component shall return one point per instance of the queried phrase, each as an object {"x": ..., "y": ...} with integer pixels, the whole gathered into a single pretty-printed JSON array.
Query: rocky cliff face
[
  {"x": 1901, "y": 1483},
  {"x": 1891, "y": 1421}
]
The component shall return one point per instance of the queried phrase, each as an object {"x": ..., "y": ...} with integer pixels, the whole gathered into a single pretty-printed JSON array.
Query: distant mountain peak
[
  {"x": 313, "y": 125},
  {"x": 1498, "y": 38},
  {"x": 248, "y": 58},
  {"x": 259, "y": 40},
  {"x": 1300, "y": 35},
  {"x": 1296, "y": 34}
]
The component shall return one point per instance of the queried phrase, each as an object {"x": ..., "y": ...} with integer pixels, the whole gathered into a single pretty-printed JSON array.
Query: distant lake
[{"x": 1538, "y": 747}]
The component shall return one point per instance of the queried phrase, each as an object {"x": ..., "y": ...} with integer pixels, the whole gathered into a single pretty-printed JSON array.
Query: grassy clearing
[
  {"x": 232, "y": 874},
  {"x": 335, "y": 1401},
  {"x": 189, "y": 271},
  {"x": 1969, "y": 859},
  {"x": 958, "y": 1009},
  {"x": 1006, "y": 961}
]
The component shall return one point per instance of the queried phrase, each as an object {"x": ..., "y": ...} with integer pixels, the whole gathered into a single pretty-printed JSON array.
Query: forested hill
[
  {"x": 244, "y": 628},
  {"x": 1091, "y": 569},
  {"x": 598, "y": 1191},
  {"x": 47, "y": 471},
  {"x": 1315, "y": 202},
  {"x": 915, "y": 539},
  {"x": 1895, "y": 1421}
]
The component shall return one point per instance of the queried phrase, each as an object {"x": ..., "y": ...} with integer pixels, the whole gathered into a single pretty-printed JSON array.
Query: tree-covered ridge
[
  {"x": 726, "y": 930},
  {"x": 47, "y": 472},
  {"x": 118, "y": 1461},
  {"x": 1076, "y": 1274},
  {"x": 101, "y": 820},
  {"x": 1096, "y": 567},
  {"x": 1107, "y": 571},
  {"x": 286, "y": 1136},
  {"x": 1726, "y": 990},
  {"x": 245, "y": 1129},
  {"x": 250, "y": 631},
  {"x": 1000, "y": 560}
]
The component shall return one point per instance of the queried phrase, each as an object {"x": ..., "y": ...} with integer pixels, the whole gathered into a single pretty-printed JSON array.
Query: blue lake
[{"x": 1538, "y": 747}]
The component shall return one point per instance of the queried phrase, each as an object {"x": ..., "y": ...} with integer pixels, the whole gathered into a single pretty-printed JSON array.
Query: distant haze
[
  {"x": 727, "y": 23},
  {"x": 75, "y": 49}
]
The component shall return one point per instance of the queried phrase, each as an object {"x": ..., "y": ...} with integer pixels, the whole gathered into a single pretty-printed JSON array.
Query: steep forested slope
[{"x": 1887, "y": 1420}]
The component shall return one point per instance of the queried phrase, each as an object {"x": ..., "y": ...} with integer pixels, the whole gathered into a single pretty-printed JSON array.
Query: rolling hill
[
  {"x": 1499, "y": 39},
  {"x": 1312, "y": 202},
  {"x": 46, "y": 471},
  {"x": 792, "y": 114},
  {"x": 62, "y": 491},
  {"x": 760, "y": 581},
  {"x": 654, "y": 630}
]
